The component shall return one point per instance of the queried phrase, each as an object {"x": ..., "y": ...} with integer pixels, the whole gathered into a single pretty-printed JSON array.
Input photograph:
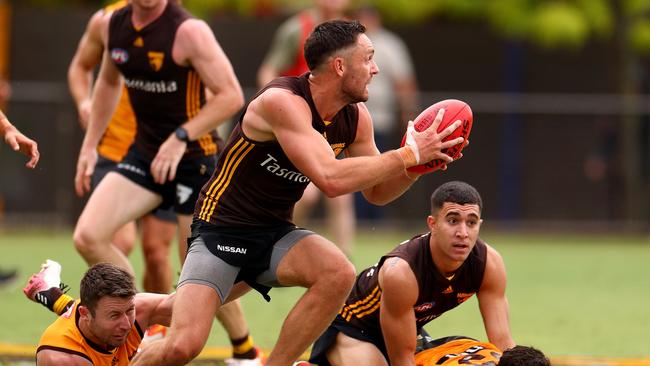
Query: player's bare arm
[
  {"x": 196, "y": 46},
  {"x": 104, "y": 100},
  {"x": 80, "y": 72},
  {"x": 55, "y": 358},
  {"x": 289, "y": 119},
  {"x": 153, "y": 308},
  {"x": 493, "y": 302},
  {"x": 399, "y": 292},
  {"x": 364, "y": 145},
  {"x": 19, "y": 142}
]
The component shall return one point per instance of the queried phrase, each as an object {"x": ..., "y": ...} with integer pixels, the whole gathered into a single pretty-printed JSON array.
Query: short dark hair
[
  {"x": 455, "y": 192},
  {"x": 105, "y": 279},
  {"x": 329, "y": 37},
  {"x": 523, "y": 356}
]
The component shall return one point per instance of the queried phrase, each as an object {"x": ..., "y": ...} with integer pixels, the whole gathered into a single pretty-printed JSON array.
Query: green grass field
[{"x": 570, "y": 295}]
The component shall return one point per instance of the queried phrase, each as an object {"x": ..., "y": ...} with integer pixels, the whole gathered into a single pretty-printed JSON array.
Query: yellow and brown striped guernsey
[
  {"x": 255, "y": 183},
  {"x": 163, "y": 94},
  {"x": 460, "y": 351},
  {"x": 64, "y": 336},
  {"x": 436, "y": 294},
  {"x": 120, "y": 131}
]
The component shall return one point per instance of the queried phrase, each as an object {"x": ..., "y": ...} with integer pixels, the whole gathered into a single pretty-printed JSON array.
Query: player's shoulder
[{"x": 52, "y": 357}]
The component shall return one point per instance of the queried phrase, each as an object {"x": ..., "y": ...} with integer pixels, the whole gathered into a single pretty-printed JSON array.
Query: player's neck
[
  {"x": 144, "y": 16},
  {"x": 327, "y": 96},
  {"x": 85, "y": 330}
]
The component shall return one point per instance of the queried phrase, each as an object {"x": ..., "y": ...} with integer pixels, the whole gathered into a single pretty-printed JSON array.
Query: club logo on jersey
[
  {"x": 183, "y": 193},
  {"x": 337, "y": 148},
  {"x": 119, "y": 56},
  {"x": 156, "y": 60}
]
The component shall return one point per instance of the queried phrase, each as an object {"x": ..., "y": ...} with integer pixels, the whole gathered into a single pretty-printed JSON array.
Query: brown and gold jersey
[
  {"x": 163, "y": 94},
  {"x": 436, "y": 294},
  {"x": 255, "y": 183},
  {"x": 64, "y": 336},
  {"x": 120, "y": 131},
  {"x": 458, "y": 352}
]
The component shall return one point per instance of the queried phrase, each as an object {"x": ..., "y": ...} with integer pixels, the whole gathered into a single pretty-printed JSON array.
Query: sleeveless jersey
[
  {"x": 299, "y": 65},
  {"x": 458, "y": 352},
  {"x": 64, "y": 336},
  {"x": 436, "y": 293},
  {"x": 163, "y": 95},
  {"x": 255, "y": 183}
]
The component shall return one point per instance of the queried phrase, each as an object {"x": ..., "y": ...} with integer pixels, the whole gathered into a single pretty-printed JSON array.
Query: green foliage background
[{"x": 546, "y": 23}]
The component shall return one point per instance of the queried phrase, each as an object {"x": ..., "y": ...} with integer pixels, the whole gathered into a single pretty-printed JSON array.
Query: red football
[{"x": 454, "y": 110}]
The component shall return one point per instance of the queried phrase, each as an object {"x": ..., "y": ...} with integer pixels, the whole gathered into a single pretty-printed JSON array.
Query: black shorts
[
  {"x": 105, "y": 165},
  {"x": 326, "y": 340},
  {"x": 181, "y": 193},
  {"x": 256, "y": 252}
]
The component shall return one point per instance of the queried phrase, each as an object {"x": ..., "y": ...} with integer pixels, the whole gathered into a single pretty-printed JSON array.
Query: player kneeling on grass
[
  {"x": 418, "y": 281},
  {"x": 105, "y": 326}
]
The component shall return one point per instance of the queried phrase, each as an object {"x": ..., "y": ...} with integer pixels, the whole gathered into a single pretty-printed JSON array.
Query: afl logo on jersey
[{"x": 119, "y": 55}]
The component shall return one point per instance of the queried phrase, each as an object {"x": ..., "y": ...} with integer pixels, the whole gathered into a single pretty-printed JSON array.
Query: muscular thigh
[
  {"x": 309, "y": 259},
  {"x": 350, "y": 351},
  {"x": 204, "y": 268},
  {"x": 116, "y": 201}
]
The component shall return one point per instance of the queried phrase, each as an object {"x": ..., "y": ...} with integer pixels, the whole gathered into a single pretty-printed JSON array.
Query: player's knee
[
  {"x": 84, "y": 241},
  {"x": 342, "y": 279},
  {"x": 156, "y": 256},
  {"x": 183, "y": 350}
]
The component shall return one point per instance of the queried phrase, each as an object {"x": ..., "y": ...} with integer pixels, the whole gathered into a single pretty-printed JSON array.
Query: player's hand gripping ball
[{"x": 454, "y": 110}]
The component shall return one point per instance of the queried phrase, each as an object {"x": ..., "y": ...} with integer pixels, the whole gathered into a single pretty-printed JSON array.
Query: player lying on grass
[
  {"x": 418, "y": 281},
  {"x": 105, "y": 326},
  {"x": 461, "y": 350}
]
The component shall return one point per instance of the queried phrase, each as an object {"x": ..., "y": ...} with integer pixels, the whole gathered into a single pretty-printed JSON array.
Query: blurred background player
[
  {"x": 460, "y": 350},
  {"x": 120, "y": 133},
  {"x": 105, "y": 326},
  {"x": 418, "y": 281},
  {"x": 158, "y": 229},
  {"x": 393, "y": 93},
  {"x": 17, "y": 142},
  {"x": 286, "y": 58}
]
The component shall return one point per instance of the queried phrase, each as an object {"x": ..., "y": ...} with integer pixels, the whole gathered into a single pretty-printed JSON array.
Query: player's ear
[
  {"x": 339, "y": 65},
  {"x": 84, "y": 312},
  {"x": 431, "y": 222}
]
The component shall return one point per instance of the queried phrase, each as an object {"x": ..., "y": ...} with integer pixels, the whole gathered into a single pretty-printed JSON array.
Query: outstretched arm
[
  {"x": 399, "y": 292},
  {"x": 493, "y": 302},
  {"x": 287, "y": 118},
  {"x": 19, "y": 142}
]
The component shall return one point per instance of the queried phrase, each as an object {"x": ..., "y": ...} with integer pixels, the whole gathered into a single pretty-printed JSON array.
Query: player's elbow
[{"x": 332, "y": 188}]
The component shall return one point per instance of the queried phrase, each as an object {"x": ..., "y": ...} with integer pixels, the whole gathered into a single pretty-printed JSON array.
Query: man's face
[
  {"x": 359, "y": 69},
  {"x": 455, "y": 229},
  {"x": 113, "y": 320}
]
